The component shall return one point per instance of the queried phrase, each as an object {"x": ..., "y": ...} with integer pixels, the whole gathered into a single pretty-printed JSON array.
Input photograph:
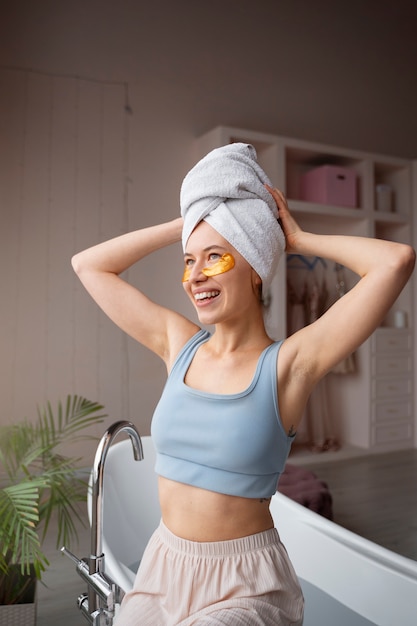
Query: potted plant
[{"x": 37, "y": 481}]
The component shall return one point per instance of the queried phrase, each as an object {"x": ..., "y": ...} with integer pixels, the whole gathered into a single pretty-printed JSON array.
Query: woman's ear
[
  {"x": 257, "y": 284},
  {"x": 257, "y": 280}
]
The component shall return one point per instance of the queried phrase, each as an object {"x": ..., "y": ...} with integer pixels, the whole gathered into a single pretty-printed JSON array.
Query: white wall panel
[
  {"x": 30, "y": 352},
  {"x": 62, "y": 180},
  {"x": 12, "y": 132},
  {"x": 59, "y": 363}
]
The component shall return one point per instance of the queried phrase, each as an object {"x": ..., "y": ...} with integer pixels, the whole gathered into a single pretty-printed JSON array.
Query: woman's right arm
[{"x": 161, "y": 330}]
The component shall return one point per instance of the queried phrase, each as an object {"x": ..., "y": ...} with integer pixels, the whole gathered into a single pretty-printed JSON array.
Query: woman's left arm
[{"x": 384, "y": 267}]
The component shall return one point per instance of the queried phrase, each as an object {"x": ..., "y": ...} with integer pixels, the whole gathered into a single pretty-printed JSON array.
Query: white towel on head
[{"x": 226, "y": 189}]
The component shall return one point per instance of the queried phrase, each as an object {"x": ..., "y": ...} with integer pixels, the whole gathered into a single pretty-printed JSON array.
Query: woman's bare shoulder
[{"x": 179, "y": 331}]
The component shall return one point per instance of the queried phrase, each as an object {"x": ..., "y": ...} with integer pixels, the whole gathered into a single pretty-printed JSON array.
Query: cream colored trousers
[{"x": 243, "y": 582}]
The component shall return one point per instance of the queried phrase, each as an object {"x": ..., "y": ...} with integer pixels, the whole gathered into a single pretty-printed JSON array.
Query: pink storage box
[{"x": 330, "y": 184}]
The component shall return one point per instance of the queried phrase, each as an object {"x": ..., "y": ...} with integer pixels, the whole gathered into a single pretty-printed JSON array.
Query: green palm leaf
[
  {"x": 41, "y": 481},
  {"x": 20, "y": 515}
]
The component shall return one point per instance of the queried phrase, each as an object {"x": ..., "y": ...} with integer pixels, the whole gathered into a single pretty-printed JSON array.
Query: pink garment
[
  {"x": 316, "y": 429},
  {"x": 242, "y": 582}
]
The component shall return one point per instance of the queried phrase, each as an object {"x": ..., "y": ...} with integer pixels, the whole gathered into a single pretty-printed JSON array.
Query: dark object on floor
[{"x": 303, "y": 486}]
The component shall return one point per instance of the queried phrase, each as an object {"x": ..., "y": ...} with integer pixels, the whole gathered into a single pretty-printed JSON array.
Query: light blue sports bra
[{"x": 233, "y": 444}]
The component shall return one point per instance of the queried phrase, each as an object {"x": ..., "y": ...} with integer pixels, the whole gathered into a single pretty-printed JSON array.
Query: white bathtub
[{"x": 346, "y": 580}]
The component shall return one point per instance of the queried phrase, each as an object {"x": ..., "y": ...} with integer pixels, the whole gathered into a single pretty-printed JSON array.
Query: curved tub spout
[{"x": 96, "y": 561}]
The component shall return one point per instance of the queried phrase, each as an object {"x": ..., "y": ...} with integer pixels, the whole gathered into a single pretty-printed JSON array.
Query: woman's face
[{"x": 218, "y": 280}]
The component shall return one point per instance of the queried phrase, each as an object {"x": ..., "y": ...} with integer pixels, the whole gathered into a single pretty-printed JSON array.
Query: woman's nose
[
  {"x": 197, "y": 274},
  {"x": 194, "y": 273}
]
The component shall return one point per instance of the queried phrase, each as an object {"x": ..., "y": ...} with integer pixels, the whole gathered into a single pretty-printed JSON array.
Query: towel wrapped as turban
[{"x": 226, "y": 189}]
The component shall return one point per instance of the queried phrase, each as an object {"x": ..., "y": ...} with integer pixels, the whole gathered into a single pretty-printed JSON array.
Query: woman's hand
[
  {"x": 383, "y": 268},
  {"x": 289, "y": 226}
]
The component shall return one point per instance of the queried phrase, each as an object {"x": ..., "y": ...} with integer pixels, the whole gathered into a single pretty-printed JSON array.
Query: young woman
[{"x": 234, "y": 398}]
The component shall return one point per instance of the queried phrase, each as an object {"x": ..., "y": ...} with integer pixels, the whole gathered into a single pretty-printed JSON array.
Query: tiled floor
[{"x": 376, "y": 497}]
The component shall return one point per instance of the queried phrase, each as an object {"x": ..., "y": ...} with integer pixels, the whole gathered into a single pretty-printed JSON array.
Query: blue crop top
[{"x": 233, "y": 444}]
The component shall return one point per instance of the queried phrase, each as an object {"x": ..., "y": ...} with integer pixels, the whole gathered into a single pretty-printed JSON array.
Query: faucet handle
[
  {"x": 102, "y": 585},
  {"x": 70, "y": 555},
  {"x": 81, "y": 564}
]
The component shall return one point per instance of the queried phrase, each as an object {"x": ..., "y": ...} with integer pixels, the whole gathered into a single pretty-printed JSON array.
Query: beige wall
[
  {"x": 83, "y": 159},
  {"x": 77, "y": 168}
]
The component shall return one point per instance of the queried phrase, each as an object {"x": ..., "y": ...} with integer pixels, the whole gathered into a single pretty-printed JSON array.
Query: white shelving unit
[
  {"x": 392, "y": 386},
  {"x": 365, "y": 418}
]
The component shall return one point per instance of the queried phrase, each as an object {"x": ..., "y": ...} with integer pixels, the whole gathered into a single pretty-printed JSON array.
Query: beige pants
[{"x": 243, "y": 582}]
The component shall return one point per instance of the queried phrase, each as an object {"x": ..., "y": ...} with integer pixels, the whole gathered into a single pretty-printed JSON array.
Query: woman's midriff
[{"x": 200, "y": 515}]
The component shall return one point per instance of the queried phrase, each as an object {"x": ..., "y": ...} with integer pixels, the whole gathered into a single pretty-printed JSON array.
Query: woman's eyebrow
[
  {"x": 214, "y": 247},
  {"x": 207, "y": 249}
]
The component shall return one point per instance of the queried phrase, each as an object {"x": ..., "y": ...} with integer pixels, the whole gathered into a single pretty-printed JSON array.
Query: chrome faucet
[{"x": 99, "y": 605}]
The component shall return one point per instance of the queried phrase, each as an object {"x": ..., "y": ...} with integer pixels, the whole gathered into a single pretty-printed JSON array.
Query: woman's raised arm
[
  {"x": 161, "y": 330},
  {"x": 384, "y": 267}
]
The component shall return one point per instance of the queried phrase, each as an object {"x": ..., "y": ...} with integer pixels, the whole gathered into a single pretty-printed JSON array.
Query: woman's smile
[{"x": 203, "y": 297}]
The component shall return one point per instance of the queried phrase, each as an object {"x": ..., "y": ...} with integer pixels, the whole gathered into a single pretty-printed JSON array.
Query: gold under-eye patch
[{"x": 224, "y": 264}]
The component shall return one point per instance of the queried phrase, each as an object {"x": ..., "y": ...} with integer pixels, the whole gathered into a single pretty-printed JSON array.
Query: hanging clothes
[
  {"x": 320, "y": 424},
  {"x": 308, "y": 298}
]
